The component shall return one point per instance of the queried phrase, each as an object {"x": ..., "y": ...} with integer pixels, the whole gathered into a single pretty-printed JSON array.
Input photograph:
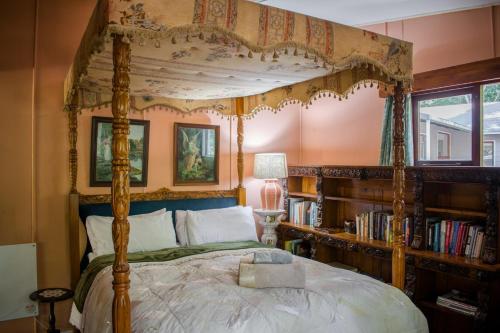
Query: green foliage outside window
[{"x": 491, "y": 93}]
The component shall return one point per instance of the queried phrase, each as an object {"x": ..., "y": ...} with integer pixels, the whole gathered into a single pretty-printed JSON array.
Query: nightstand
[{"x": 51, "y": 295}]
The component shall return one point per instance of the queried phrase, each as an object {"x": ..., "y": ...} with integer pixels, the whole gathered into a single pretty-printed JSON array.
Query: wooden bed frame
[
  {"x": 120, "y": 190},
  {"x": 121, "y": 197}
]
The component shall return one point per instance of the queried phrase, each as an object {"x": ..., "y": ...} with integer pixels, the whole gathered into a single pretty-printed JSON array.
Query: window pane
[
  {"x": 489, "y": 153},
  {"x": 491, "y": 123},
  {"x": 445, "y": 128}
]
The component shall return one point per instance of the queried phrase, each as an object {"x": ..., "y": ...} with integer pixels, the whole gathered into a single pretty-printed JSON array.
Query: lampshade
[{"x": 270, "y": 166}]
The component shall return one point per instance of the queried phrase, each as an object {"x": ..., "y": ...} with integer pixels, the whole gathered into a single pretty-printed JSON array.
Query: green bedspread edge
[{"x": 101, "y": 262}]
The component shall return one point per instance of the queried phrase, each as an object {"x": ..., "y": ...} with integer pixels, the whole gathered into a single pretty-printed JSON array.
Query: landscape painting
[
  {"x": 196, "y": 154},
  {"x": 102, "y": 152}
]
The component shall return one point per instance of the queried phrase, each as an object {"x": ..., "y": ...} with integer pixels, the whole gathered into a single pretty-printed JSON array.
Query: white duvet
[{"x": 200, "y": 293}]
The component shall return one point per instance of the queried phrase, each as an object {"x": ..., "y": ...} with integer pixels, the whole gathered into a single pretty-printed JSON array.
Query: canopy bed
[{"x": 232, "y": 57}]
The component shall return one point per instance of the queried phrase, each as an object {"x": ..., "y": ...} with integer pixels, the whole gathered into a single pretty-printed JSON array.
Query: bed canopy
[{"x": 228, "y": 56}]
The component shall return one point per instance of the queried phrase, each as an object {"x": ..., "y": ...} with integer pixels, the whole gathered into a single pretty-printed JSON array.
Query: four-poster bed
[{"x": 227, "y": 56}]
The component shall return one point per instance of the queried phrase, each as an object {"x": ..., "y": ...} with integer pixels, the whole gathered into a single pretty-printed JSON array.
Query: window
[
  {"x": 448, "y": 128},
  {"x": 443, "y": 145},
  {"x": 489, "y": 153}
]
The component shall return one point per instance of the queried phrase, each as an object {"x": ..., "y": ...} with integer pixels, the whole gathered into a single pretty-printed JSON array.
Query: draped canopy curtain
[{"x": 386, "y": 147}]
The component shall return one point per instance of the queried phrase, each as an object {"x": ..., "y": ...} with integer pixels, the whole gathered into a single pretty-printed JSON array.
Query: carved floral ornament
[{"x": 200, "y": 64}]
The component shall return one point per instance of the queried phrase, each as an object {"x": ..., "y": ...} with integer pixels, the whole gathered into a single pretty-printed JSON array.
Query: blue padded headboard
[{"x": 142, "y": 207}]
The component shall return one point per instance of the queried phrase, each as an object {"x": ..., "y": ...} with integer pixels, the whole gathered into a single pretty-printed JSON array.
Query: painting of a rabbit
[{"x": 196, "y": 154}]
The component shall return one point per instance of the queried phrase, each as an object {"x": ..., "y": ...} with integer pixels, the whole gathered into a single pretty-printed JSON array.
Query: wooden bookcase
[{"x": 460, "y": 193}]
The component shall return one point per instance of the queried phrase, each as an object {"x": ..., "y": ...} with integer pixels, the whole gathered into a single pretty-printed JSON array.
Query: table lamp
[{"x": 270, "y": 167}]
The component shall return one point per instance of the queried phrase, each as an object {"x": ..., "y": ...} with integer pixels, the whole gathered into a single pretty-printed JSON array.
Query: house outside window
[
  {"x": 443, "y": 145},
  {"x": 450, "y": 131}
]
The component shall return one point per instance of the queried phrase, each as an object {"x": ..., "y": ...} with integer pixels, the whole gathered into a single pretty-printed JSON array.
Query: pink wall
[{"x": 345, "y": 132}]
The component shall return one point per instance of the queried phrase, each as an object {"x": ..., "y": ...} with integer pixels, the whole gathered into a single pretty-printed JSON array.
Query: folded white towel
[
  {"x": 272, "y": 275},
  {"x": 272, "y": 257}
]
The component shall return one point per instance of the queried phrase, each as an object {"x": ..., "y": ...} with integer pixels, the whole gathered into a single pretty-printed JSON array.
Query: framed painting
[
  {"x": 102, "y": 152},
  {"x": 196, "y": 154}
]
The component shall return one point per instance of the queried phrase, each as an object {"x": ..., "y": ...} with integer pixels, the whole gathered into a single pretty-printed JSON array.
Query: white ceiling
[{"x": 364, "y": 12}]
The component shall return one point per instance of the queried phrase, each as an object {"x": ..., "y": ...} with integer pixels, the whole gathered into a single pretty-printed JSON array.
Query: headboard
[{"x": 82, "y": 206}]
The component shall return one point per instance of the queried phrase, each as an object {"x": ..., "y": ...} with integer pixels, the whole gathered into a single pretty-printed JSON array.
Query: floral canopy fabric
[{"x": 195, "y": 55}]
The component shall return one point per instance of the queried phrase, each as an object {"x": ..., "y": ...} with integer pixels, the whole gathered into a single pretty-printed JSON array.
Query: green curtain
[{"x": 386, "y": 148}]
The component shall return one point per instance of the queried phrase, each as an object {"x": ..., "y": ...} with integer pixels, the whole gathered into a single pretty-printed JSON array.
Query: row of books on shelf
[
  {"x": 301, "y": 211},
  {"x": 459, "y": 302},
  {"x": 460, "y": 238},
  {"x": 378, "y": 225}
]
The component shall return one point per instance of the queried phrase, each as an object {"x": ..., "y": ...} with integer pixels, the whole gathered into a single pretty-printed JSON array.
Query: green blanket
[{"x": 168, "y": 254}]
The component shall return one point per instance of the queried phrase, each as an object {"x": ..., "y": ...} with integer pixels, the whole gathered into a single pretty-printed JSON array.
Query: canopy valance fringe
[
  {"x": 187, "y": 54},
  {"x": 225, "y": 111}
]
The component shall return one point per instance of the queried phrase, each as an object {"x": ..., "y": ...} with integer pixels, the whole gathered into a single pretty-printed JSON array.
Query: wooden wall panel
[
  {"x": 16, "y": 126},
  {"x": 16, "y": 132}
]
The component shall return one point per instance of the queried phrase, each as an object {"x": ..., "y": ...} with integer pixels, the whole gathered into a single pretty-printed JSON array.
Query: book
[
  {"x": 458, "y": 238},
  {"x": 437, "y": 235},
  {"x": 469, "y": 241},
  {"x": 291, "y": 208},
  {"x": 378, "y": 225},
  {"x": 458, "y": 301},
  {"x": 388, "y": 236},
  {"x": 430, "y": 231},
  {"x": 442, "y": 236},
  {"x": 303, "y": 212},
  {"x": 313, "y": 214},
  {"x": 453, "y": 241},
  {"x": 479, "y": 244},
  {"x": 460, "y": 231},
  {"x": 304, "y": 207}
]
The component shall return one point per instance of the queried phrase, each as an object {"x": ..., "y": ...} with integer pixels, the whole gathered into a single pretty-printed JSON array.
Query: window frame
[{"x": 475, "y": 91}]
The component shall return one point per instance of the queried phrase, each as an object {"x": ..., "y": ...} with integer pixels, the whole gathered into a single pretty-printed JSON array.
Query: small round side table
[
  {"x": 270, "y": 223},
  {"x": 51, "y": 295}
]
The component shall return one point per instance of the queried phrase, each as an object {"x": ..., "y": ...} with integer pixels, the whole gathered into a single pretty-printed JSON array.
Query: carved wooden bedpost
[
  {"x": 398, "y": 254},
  {"x": 242, "y": 196},
  {"x": 74, "y": 217},
  {"x": 73, "y": 136},
  {"x": 120, "y": 184}
]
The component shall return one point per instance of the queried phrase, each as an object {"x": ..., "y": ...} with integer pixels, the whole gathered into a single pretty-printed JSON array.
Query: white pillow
[
  {"x": 181, "y": 227},
  {"x": 148, "y": 232},
  {"x": 221, "y": 225}
]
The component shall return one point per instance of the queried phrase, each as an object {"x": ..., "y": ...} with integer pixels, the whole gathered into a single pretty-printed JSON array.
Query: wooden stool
[{"x": 51, "y": 295}]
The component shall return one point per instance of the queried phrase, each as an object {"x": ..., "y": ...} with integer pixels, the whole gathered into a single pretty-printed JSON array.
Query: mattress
[{"x": 200, "y": 293}]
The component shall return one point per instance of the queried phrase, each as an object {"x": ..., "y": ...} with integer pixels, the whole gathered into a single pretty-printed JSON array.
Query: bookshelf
[{"x": 455, "y": 193}]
